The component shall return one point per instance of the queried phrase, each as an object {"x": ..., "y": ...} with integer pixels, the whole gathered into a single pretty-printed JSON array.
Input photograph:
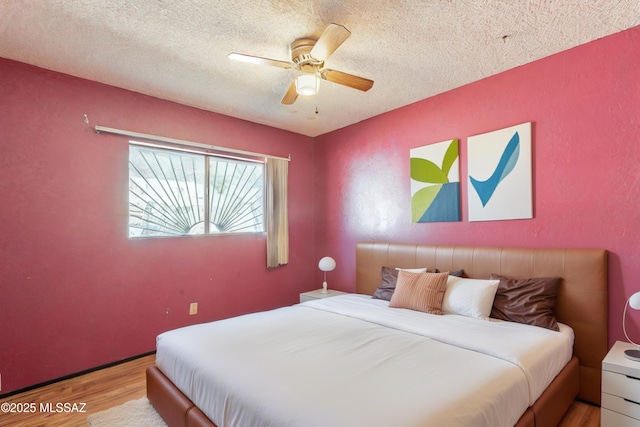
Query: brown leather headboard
[{"x": 582, "y": 300}]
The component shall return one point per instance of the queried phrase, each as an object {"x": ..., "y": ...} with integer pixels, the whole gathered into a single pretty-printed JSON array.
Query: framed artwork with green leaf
[{"x": 435, "y": 182}]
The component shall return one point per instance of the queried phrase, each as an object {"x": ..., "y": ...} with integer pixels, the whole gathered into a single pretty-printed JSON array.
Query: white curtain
[{"x": 277, "y": 215}]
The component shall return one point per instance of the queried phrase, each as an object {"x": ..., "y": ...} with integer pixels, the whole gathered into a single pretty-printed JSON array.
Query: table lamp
[
  {"x": 633, "y": 302},
  {"x": 327, "y": 264}
]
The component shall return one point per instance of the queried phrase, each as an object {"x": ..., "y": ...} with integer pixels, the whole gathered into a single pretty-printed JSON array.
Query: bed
[{"x": 580, "y": 309}]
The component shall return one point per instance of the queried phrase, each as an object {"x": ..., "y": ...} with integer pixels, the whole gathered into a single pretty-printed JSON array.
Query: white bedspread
[{"x": 351, "y": 361}]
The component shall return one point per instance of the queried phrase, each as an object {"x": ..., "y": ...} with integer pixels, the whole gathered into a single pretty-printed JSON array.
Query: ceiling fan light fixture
[
  {"x": 308, "y": 57},
  {"x": 307, "y": 84}
]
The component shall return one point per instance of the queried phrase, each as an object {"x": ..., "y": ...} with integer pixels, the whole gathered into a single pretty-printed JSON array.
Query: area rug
[{"x": 135, "y": 413}]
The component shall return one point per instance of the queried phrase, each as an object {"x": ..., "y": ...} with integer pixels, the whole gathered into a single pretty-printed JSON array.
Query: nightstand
[
  {"x": 311, "y": 295},
  {"x": 620, "y": 405}
]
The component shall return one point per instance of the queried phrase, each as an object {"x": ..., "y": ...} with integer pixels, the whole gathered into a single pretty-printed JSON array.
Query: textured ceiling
[{"x": 177, "y": 50}]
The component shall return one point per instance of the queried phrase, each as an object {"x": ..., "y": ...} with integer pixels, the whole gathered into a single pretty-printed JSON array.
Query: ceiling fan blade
[
  {"x": 332, "y": 37},
  {"x": 259, "y": 60},
  {"x": 346, "y": 79},
  {"x": 291, "y": 95}
]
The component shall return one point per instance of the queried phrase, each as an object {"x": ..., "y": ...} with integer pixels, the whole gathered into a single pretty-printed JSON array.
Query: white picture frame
[{"x": 500, "y": 174}]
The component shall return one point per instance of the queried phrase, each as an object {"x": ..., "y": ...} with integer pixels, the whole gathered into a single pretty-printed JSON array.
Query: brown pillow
[
  {"x": 530, "y": 301},
  {"x": 388, "y": 285},
  {"x": 420, "y": 291},
  {"x": 457, "y": 273}
]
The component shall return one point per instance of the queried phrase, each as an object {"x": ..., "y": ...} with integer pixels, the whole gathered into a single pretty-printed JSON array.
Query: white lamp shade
[
  {"x": 307, "y": 84},
  {"x": 327, "y": 264},
  {"x": 634, "y": 301}
]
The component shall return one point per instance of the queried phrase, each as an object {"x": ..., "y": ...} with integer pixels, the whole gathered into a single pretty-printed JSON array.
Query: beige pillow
[{"x": 420, "y": 291}]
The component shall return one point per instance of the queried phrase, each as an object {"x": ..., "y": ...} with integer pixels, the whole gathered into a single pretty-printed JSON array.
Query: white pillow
[
  {"x": 412, "y": 270},
  {"x": 469, "y": 297}
]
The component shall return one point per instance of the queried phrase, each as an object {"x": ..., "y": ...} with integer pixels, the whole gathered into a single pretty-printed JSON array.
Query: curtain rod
[{"x": 183, "y": 142}]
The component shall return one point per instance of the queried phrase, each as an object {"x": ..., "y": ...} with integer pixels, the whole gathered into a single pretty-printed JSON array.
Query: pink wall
[
  {"x": 585, "y": 107},
  {"x": 75, "y": 292}
]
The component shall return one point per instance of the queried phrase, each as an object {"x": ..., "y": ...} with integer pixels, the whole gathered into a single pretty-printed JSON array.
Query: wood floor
[
  {"x": 116, "y": 385},
  {"x": 99, "y": 390}
]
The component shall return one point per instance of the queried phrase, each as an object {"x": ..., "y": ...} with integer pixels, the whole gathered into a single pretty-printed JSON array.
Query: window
[{"x": 176, "y": 193}]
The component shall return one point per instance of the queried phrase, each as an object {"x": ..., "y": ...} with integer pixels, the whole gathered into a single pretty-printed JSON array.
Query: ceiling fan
[{"x": 308, "y": 55}]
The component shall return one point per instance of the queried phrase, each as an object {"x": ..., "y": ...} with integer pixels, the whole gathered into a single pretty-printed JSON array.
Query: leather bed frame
[{"x": 582, "y": 304}]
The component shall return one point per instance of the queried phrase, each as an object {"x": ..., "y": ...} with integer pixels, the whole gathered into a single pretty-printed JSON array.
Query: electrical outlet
[{"x": 193, "y": 308}]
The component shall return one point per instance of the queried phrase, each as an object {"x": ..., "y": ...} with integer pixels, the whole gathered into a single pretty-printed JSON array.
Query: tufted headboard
[{"x": 582, "y": 302}]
